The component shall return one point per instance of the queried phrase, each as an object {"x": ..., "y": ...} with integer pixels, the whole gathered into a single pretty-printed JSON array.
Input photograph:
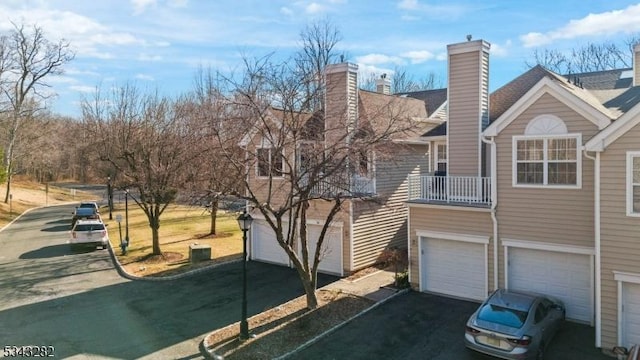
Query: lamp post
[
  {"x": 126, "y": 221},
  {"x": 110, "y": 197},
  {"x": 244, "y": 220}
]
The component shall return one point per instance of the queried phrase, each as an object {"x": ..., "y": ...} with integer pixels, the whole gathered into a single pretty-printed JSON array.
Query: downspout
[
  {"x": 596, "y": 221},
  {"x": 494, "y": 204}
]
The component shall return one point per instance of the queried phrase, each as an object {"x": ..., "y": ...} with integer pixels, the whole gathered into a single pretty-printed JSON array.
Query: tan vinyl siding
[
  {"x": 464, "y": 104},
  {"x": 460, "y": 221},
  {"x": 558, "y": 216},
  {"x": 381, "y": 222},
  {"x": 620, "y": 234}
]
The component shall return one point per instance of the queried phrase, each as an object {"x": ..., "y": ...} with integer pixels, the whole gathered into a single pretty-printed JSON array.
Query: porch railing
[
  {"x": 341, "y": 184},
  {"x": 450, "y": 189}
]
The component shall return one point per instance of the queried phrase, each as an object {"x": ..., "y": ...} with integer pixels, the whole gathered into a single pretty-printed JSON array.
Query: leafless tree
[
  {"x": 586, "y": 58},
  {"x": 296, "y": 160},
  {"x": 402, "y": 81},
  {"x": 27, "y": 59},
  {"x": 146, "y": 140},
  {"x": 317, "y": 45}
]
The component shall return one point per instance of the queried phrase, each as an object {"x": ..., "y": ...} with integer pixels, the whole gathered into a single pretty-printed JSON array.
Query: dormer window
[
  {"x": 547, "y": 156},
  {"x": 633, "y": 183}
]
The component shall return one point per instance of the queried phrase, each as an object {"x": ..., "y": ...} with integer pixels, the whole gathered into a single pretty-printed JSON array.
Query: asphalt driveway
[{"x": 424, "y": 326}]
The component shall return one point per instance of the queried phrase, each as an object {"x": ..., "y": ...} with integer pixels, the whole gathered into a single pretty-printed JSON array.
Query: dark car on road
[
  {"x": 84, "y": 213},
  {"x": 514, "y": 325}
]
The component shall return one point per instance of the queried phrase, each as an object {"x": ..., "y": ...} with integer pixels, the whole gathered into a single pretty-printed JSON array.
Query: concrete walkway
[{"x": 376, "y": 286}]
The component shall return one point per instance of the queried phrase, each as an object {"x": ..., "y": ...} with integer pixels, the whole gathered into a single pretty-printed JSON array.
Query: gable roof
[{"x": 433, "y": 99}]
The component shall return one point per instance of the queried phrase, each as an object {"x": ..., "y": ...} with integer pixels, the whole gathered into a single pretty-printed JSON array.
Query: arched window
[{"x": 547, "y": 155}]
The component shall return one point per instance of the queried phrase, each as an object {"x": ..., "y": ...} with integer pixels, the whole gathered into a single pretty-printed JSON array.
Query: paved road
[
  {"x": 424, "y": 326},
  {"x": 77, "y": 302}
]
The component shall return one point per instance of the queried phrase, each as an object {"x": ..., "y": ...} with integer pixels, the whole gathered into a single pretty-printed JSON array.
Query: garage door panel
[
  {"x": 264, "y": 246},
  {"x": 455, "y": 268},
  {"x": 566, "y": 276},
  {"x": 331, "y": 252},
  {"x": 631, "y": 314}
]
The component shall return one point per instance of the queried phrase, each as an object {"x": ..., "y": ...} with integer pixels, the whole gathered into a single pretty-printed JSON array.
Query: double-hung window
[
  {"x": 633, "y": 183},
  {"x": 441, "y": 158},
  {"x": 547, "y": 161},
  {"x": 270, "y": 162}
]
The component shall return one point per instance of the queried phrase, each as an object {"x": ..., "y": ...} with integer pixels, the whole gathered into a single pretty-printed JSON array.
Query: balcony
[
  {"x": 450, "y": 190},
  {"x": 356, "y": 186}
]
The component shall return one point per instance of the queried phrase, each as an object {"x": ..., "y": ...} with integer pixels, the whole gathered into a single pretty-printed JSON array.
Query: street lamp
[
  {"x": 110, "y": 197},
  {"x": 126, "y": 221},
  {"x": 244, "y": 220}
]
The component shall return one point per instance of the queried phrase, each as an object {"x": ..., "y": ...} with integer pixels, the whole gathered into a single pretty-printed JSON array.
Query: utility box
[{"x": 199, "y": 252}]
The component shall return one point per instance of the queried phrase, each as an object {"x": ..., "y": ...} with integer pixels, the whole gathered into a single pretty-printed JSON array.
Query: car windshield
[
  {"x": 89, "y": 227},
  {"x": 502, "y": 315}
]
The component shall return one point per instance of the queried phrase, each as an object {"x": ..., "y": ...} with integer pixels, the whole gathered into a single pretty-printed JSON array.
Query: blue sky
[{"x": 160, "y": 44}]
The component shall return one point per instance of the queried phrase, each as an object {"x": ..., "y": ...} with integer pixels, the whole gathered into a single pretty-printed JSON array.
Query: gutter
[
  {"x": 596, "y": 222},
  {"x": 494, "y": 204}
]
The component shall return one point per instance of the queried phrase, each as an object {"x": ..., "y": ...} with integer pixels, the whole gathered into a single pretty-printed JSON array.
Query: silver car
[{"x": 514, "y": 325}]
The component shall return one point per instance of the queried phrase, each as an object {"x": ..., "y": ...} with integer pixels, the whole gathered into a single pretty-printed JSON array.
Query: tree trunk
[
  {"x": 310, "y": 291},
  {"x": 214, "y": 215},
  {"x": 154, "y": 223},
  {"x": 6, "y": 195}
]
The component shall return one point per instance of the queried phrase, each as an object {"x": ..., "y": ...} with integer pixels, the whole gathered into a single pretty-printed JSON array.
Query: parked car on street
[
  {"x": 631, "y": 354},
  {"x": 84, "y": 213},
  {"x": 514, "y": 325},
  {"x": 89, "y": 232}
]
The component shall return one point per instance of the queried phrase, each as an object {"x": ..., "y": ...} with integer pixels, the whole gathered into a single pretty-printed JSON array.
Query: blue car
[{"x": 514, "y": 325}]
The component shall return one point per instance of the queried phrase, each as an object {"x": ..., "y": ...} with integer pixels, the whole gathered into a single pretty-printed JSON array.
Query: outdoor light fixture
[
  {"x": 110, "y": 197},
  {"x": 244, "y": 221}
]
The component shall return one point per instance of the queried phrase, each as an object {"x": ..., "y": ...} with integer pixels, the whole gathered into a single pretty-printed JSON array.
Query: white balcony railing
[{"x": 450, "y": 189}]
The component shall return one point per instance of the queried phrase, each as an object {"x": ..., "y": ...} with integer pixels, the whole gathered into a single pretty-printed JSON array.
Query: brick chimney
[
  {"x": 468, "y": 106},
  {"x": 636, "y": 65},
  {"x": 383, "y": 85},
  {"x": 341, "y": 99}
]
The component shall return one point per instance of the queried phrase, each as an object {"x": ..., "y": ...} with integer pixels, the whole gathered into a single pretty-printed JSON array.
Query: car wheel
[{"x": 540, "y": 352}]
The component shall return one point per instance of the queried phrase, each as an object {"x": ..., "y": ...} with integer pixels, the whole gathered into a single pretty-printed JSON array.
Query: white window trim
[
  {"x": 436, "y": 153},
  {"x": 621, "y": 278},
  {"x": 514, "y": 162},
  {"x": 630, "y": 156},
  {"x": 271, "y": 149}
]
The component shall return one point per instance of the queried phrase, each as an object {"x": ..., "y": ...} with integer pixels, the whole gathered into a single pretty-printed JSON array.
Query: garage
[
  {"x": 454, "y": 265},
  {"x": 566, "y": 276},
  {"x": 630, "y": 314},
  {"x": 264, "y": 246},
  {"x": 331, "y": 253}
]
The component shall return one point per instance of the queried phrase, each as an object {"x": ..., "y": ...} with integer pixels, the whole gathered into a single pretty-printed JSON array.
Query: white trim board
[
  {"x": 537, "y": 245},
  {"x": 453, "y": 236}
]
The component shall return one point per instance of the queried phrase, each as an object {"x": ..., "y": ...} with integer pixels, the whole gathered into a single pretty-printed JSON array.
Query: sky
[{"x": 161, "y": 44}]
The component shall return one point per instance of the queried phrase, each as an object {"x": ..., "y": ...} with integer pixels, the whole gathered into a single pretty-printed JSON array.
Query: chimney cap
[{"x": 469, "y": 37}]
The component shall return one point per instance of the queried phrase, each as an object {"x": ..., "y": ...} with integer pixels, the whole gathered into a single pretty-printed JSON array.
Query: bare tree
[
  {"x": 146, "y": 139},
  {"x": 27, "y": 58},
  {"x": 317, "y": 49},
  {"x": 586, "y": 58},
  {"x": 296, "y": 160},
  {"x": 402, "y": 81}
]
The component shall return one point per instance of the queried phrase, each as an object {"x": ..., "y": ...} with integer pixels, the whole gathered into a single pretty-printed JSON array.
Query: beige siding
[
  {"x": 620, "y": 240},
  {"x": 459, "y": 221},
  {"x": 464, "y": 104},
  {"x": 381, "y": 222},
  {"x": 558, "y": 216}
]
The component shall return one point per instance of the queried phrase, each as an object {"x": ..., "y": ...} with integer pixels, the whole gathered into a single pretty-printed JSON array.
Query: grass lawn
[{"x": 180, "y": 226}]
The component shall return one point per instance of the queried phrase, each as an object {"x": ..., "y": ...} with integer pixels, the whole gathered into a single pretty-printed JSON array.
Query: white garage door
[
  {"x": 565, "y": 276},
  {"x": 264, "y": 246},
  {"x": 452, "y": 267},
  {"x": 331, "y": 253},
  {"x": 630, "y": 314}
]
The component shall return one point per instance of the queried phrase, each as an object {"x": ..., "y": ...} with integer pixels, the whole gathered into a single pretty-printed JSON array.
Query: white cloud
[
  {"x": 286, "y": 11},
  {"x": 178, "y": 3},
  {"x": 314, "y": 8},
  {"x": 451, "y": 11},
  {"x": 501, "y": 50},
  {"x": 144, "y": 77},
  {"x": 147, "y": 57},
  {"x": 408, "y": 5},
  {"x": 418, "y": 57},
  {"x": 83, "y": 88},
  {"x": 376, "y": 59},
  {"x": 441, "y": 56},
  {"x": 606, "y": 23},
  {"x": 139, "y": 6}
]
